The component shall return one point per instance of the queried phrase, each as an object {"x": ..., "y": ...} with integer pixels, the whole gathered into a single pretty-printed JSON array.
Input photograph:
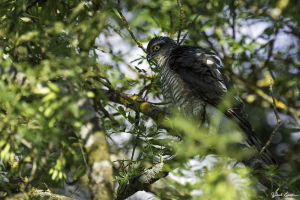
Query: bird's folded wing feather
[{"x": 202, "y": 71}]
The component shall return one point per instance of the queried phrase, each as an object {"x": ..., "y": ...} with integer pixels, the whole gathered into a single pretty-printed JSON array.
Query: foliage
[{"x": 57, "y": 55}]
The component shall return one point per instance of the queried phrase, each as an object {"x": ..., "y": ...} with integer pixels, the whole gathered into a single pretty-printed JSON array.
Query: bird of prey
[{"x": 193, "y": 79}]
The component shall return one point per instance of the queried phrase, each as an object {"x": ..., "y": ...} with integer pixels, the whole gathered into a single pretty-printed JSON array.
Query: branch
[
  {"x": 142, "y": 182},
  {"x": 180, "y": 20},
  {"x": 39, "y": 194},
  {"x": 123, "y": 19},
  {"x": 137, "y": 104},
  {"x": 277, "y": 119},
  {"x": 97, "y": 150}
]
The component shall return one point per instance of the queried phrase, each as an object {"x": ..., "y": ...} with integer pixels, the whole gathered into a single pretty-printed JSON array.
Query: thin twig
[
  {"x": 180, "y": 20},
  {"x": 211, "y": 45},
  {"x": 171, "y": 20},
  {"x": 190, "y": 24},
  {"x": 295, "y": 31},
  {"x": 99, "y": 106},
  {"x": 136, "y": 124},
  {"x": 129, "y": 29},
  {"x": 277, "y": 119},
  {"x": 293, "y": 112},
  {"x": 271, "y": 44},
  {"x": 106, "y": 83},
  {"x": 83, "y": 154},
  {"x": 116, "y": 57},
  {"x": 146, "y": 88},
  {"x": 233, "y": 18},
  {"x": 270, "y": 52}
]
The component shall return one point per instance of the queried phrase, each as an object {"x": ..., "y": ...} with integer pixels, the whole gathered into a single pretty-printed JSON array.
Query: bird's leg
[
  {"x": 200, "y": 115},
  {"x": 203, "y": 115}
]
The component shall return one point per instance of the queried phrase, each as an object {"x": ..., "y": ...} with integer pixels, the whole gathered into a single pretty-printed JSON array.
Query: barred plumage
[{"x": 175, "y": 91}]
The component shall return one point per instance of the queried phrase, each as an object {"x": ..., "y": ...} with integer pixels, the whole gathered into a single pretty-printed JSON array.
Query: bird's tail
[
  {"x": 261, "y": 160},
  {"x": 251, "y": 137}
]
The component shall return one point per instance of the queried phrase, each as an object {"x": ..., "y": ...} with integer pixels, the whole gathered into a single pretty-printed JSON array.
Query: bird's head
[{"x": 159, "y": 48}]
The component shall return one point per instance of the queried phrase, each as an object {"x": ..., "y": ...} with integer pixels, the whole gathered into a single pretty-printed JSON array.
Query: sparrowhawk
[{"x": 193, "y": 79}]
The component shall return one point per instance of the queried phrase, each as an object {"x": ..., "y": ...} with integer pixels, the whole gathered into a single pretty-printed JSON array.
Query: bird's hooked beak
[
  {"x": 148, "y": 57},
  {"x": 151, "y": 60}
]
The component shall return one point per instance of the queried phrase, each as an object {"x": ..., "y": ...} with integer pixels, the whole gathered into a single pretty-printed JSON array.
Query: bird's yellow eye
[{"x": 156, "y": 48}]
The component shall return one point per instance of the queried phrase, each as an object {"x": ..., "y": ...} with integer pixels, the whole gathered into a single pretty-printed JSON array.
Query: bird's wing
[{"x": 203, "y": 72}]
